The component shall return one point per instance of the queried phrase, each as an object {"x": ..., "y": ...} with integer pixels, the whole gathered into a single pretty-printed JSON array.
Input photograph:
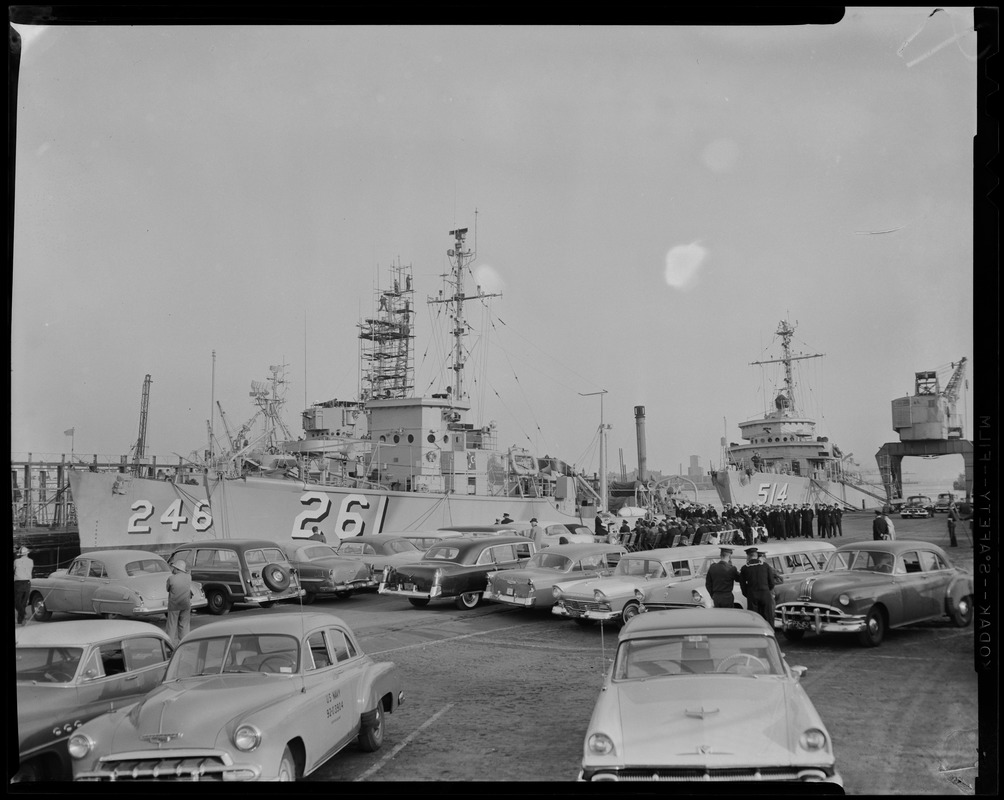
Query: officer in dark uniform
[
  {"x": 720, "y": 580},
  {"x": 757, "y": 581}
]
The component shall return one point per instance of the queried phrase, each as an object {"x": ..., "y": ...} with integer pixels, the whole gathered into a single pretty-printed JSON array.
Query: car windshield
[
  {"x": 698, "y": 654},
  {"x": 860, "y": 560},
  {"x": 545, "y": 560},
  {"x": 147, "y": 566},
  {"x": 48, "y": 664},
  {"x": 262, "y": 653}
]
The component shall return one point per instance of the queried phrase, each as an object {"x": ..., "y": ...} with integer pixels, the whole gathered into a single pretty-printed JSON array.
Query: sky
[{"x": 199, "y": 203}]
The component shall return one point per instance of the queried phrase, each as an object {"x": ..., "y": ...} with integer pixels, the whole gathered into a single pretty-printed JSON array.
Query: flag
[{"x": 69, "y": 431}]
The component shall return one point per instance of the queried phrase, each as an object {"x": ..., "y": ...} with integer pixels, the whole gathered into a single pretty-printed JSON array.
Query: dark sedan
[
  {"x": 324, "y": 573},
  {"x": 869, "y": 587},
  {"x": 456, "y": 568},
  {"x": 379, "y": 550}
]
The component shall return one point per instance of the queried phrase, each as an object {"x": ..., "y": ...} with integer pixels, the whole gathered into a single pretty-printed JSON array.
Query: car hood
[
  {"x": 714, "y": 720},
  {"x": 611, "y": 586},
  {"x": 199, "y": 708},
  {"x": 828, "y": 586}
]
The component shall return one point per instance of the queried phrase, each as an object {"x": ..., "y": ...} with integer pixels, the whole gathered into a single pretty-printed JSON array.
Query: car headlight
[
  {"x": 247, "y": 737},
  {"x": 812, "y": 739},
  {"x": 844, "y": 600},
  {"x": 598, "y": 596},
  {"x": 556, "y": 592},
  {"x": 80, "y": 745},
  {"x": 600, "y": 744},
  {"x": 639, "y": 595},
  {"x": 695, "y": 596}
]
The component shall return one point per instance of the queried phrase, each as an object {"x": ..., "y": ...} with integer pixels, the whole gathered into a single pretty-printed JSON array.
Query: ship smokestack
[{"x": 639, "y": 423}]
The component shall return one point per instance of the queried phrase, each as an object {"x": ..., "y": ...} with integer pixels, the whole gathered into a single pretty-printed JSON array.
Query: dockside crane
[{"x": 144, "y": 407}]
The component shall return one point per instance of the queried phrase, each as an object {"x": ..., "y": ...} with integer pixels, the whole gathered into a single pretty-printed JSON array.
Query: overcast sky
[{"x": 651, "y": 202}]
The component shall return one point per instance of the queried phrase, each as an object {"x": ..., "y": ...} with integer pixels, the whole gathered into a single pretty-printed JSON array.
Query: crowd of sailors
[{"x": 696, "y": 523}]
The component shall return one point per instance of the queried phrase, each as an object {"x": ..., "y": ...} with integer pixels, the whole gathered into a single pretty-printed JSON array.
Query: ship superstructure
[
  {"x": 387, "y": 460},
  {"x": 782, "y": 459}
]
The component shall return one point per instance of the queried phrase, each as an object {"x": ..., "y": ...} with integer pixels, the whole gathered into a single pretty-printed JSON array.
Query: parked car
[
  {"x": 944, "y": 502},
  {"x": 913, "y": 511},
  {"x": 109, "y": 583},
  {"x": 457, "y": 568},
  {"x": 870, "y": 587},
  {"x": 68, "y": 673},
  {"x": 423, "y": 540},
  {"x": 324, "y": 573},
  {"x": 791, "y": 560},
  {"x": 264, "y": 697},
  {"x": 378, "y": 551},
  {"x": 705, "y": 696},
  {"x": 558, "y": 532},
  {"x": 240, "y": 571},
  {"x": 612, "y": 597},
  {"x": 917, "y": 505},
  {"x": 530, "y": 586}
]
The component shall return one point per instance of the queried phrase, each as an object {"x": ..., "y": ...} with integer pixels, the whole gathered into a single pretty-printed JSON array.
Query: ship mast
[
  {"x": 786, "y": 331},
  {"x": 460, "y": 260}
]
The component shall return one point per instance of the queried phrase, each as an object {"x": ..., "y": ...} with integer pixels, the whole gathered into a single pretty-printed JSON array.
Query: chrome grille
[
  {"x": 697, "y": 774},
  {"x": 808, "y": 612},
  {"x": 581, "y": 605},
  {"x": 182, "y": 768}
]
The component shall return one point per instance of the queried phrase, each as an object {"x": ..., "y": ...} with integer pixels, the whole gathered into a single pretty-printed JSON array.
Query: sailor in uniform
[
  {"x": 721, "y": 579},
  {"x": 757, "y": 580}
]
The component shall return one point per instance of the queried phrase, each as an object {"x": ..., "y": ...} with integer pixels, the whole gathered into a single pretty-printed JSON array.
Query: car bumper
[
  {"x": 814, "y": 617},
  {"x": 587, "y": 613},
  {"x": 410, "y": 590},
  {"x": 335, "y": 588},
  {"x": 509, "y": 599},
  {"x": 751, "y": 775}
]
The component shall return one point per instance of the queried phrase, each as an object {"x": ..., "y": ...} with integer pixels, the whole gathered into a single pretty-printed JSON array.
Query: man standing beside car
[
  {"x": 757, "y": 581},
  {"x": 952, "y": 516},
  {"x": 179, "y": 601},
  {"x": 721, "y": 580},
  {"x": 23, "y": 567}
]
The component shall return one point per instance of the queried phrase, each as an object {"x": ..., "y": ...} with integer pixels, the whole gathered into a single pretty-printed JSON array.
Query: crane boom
[
  {"x": 952, "y": 389},
  {"x": 144, "y": 408}
]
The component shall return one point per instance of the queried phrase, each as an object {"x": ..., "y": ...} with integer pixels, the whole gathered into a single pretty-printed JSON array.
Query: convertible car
[
  {"x": 869, "y": 587},
  {"x": 110, "y": 583},
  {"x": 530, "y": 586},
  {"x": 249, "y": 698},
  {"x": 457, "y": 568},
  {"x": 323, "y": 572},
  {"x": 612, "y": 597},
  {"x": 704, "y": 696},
  {"x": 68, "y": 673}
]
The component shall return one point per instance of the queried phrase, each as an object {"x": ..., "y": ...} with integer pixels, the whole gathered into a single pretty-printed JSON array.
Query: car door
[
  {"x": 328, "y": 709},
  {"x": 913, "y": 587},
  {"x": 107, "y": 681},
  {"x": 936, "y": 576},
  {"x": 64, "y": 594},
  {"x": 96, "y": 578}
]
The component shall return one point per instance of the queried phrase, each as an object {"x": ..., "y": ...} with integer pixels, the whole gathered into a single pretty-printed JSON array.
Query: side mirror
[
  {"x": 799, "y": 672},
  {"x": 90, "y": 674}
]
